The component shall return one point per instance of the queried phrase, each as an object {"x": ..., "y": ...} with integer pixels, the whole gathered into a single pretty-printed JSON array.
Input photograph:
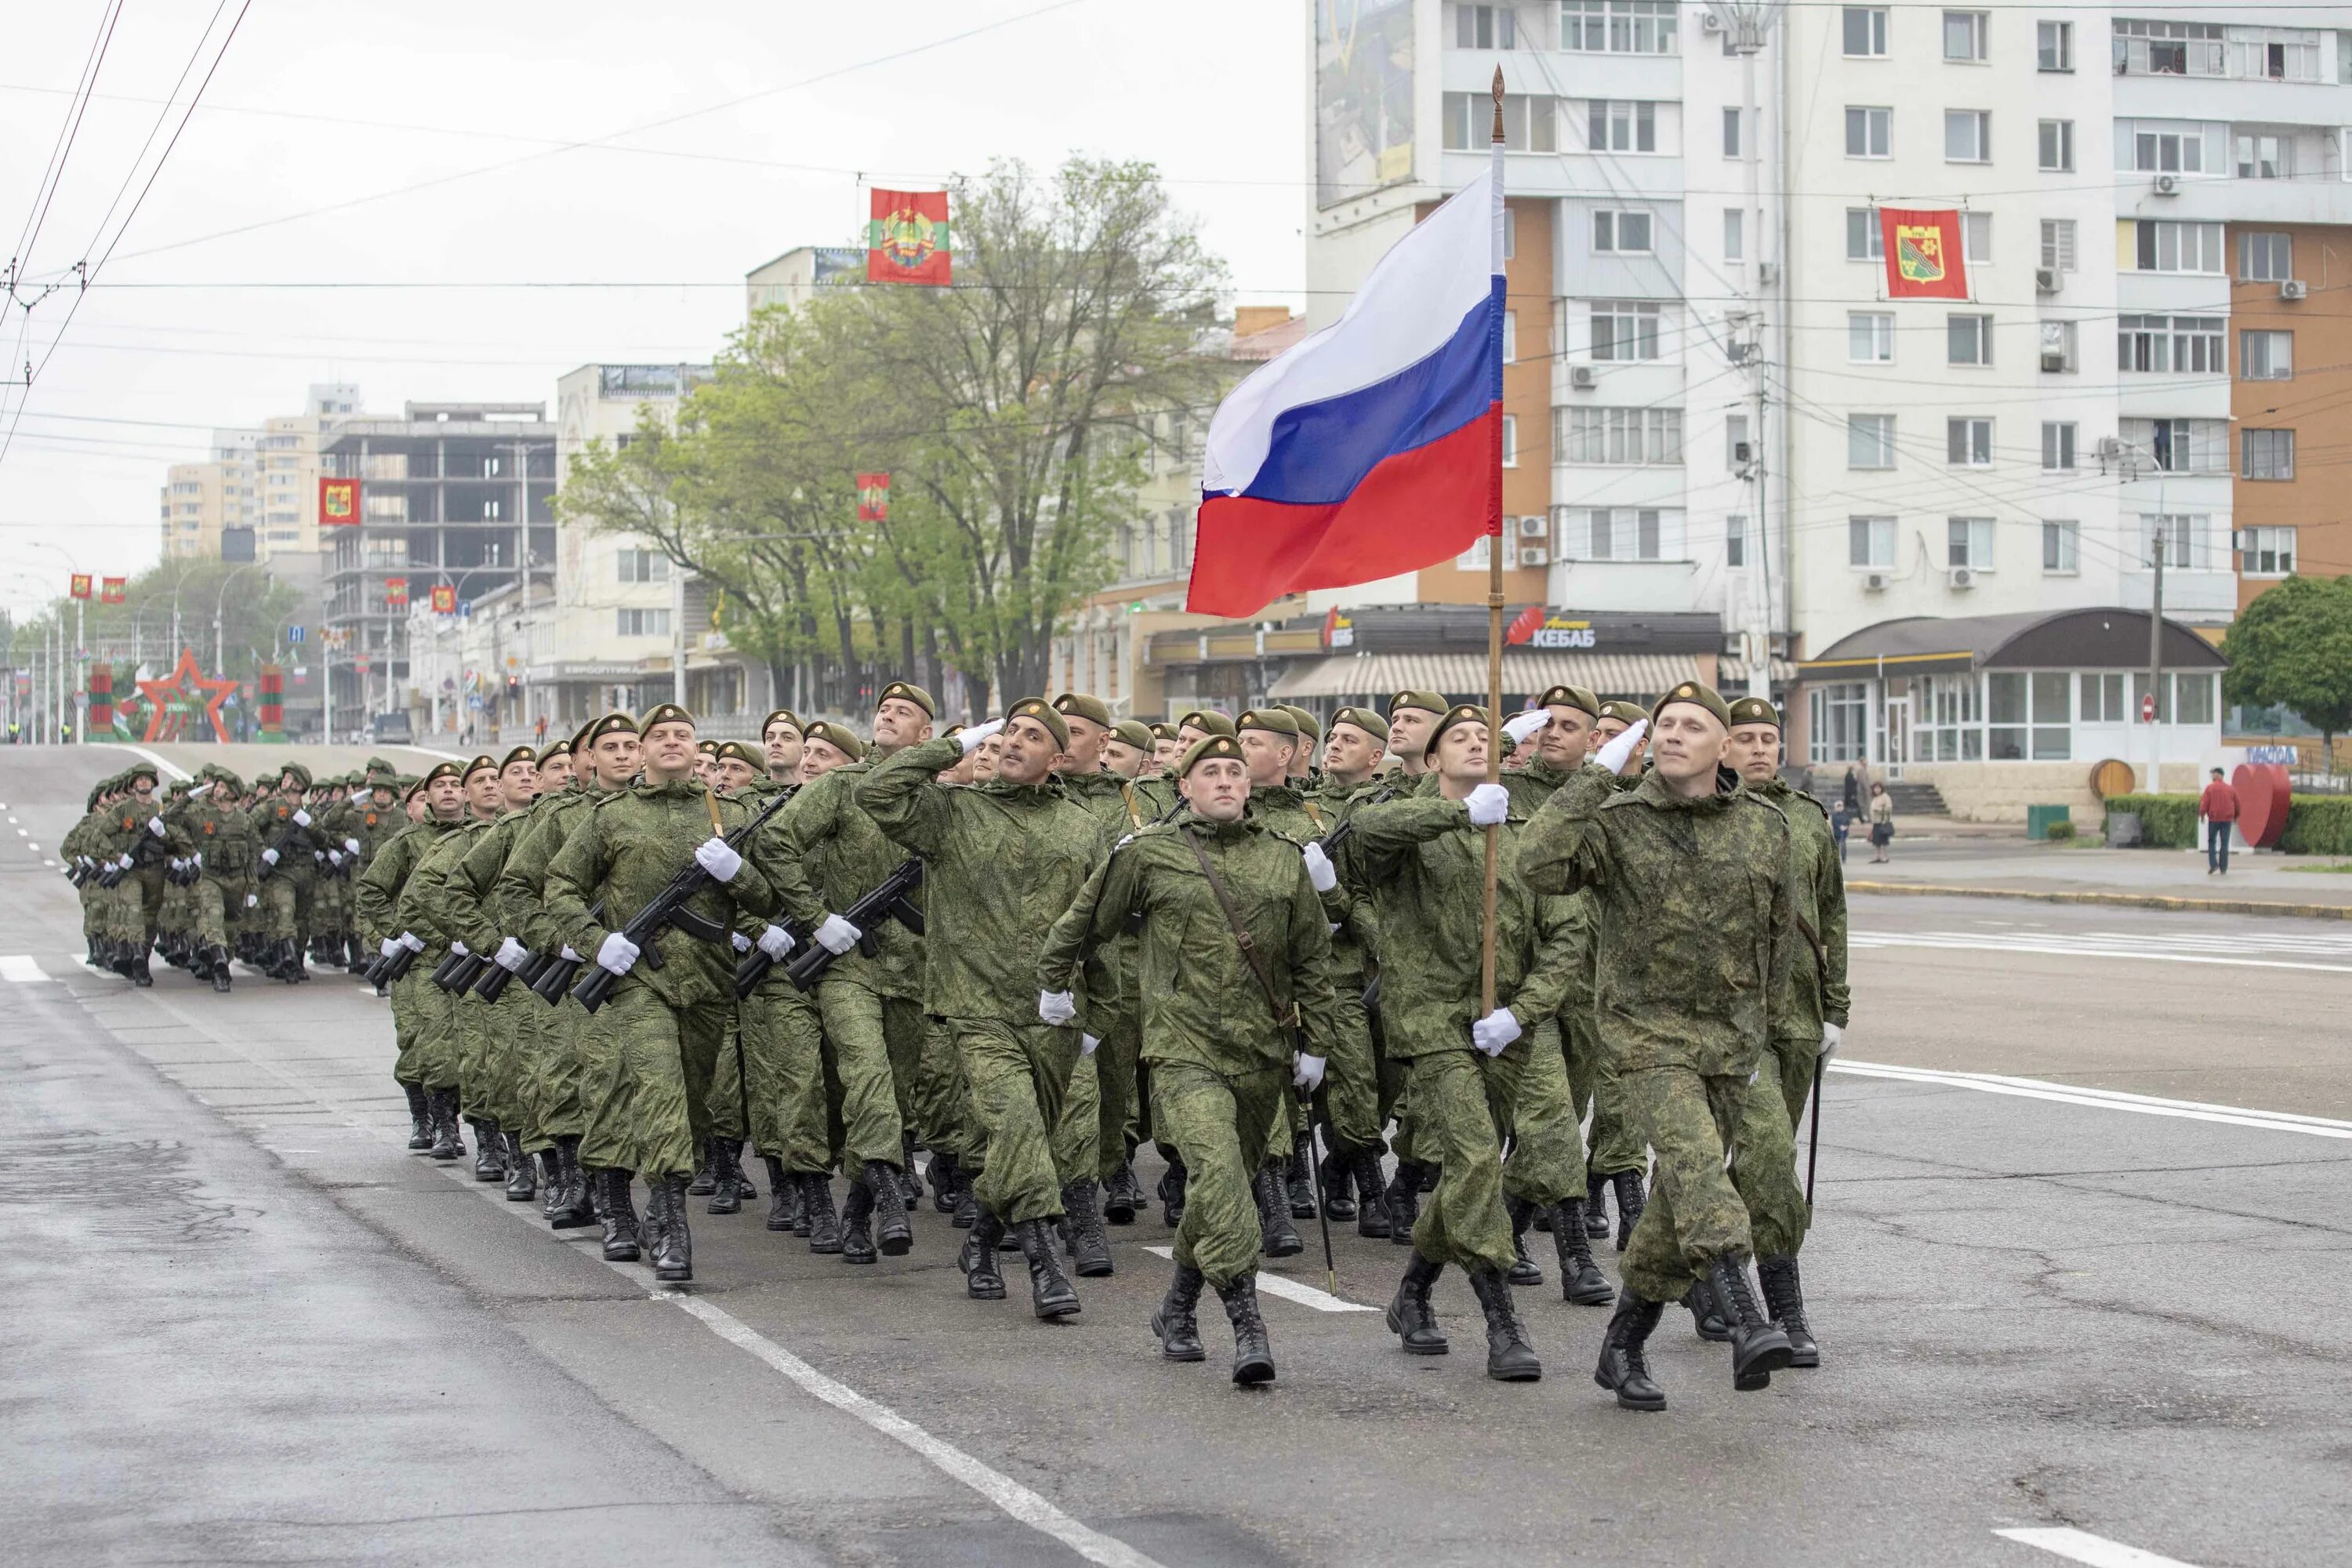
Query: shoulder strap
[
  {"x": 1284, "y": 1017},
  {"x": 1127, "y": 798},
  {"x": 1313, "y": 815}
]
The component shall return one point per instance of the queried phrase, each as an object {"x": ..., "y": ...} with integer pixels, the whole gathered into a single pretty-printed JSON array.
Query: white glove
[
  {"x": 334, "y": 856},
  {"x": 350, "y": 846},
  {"x": 1087, "y": 1044},
  {"x": 743, "y": 944},
  {"x": 250, "y": 901},
  {"x": 569, "y": 956},
  {"x": 1495, "y": 1031},
  {"x": 197, "y": 858},
  {"x": 270, "y": 855},
  {"x": 1321, "y": 875},
  {"x": 1832, "y": 1038},
  {"x": 512, "y": 955},
  {"x": 776, "y": 942},
  {"x": 1489, "y": 803},
  {"x": 1307, "y": 1072},
  {"x": 1520, "y": 726},
  {"x": 714, "y": 856},
  {"x": 970, "y": 739},
  {"x": 618, "y": 954},
  {"x": 391, "y": 945},
  {"x": 319, "y": 856},
  {"x": 409, "y": 940},
  {"x": 459, "y": 949},
  {"x": 1613, "y": 752},
  {"x": 302, "y": 818},
  {"x": 836, "y": 935},
  {"x": 124, "y": 862},
  {"x": 155, "y": 825},
  {"x": 1056, "y": 1006}
]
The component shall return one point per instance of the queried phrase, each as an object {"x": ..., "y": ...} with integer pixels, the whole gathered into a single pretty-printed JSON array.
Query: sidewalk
[{"x": 1989, "y": 860}]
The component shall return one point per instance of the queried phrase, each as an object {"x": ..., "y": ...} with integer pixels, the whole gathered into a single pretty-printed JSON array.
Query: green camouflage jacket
[
  {"x": 469, "y": 890},
  {"x": 519, "y": 894},
  {"x": 376, "y": 900},
  {"x": 425, "y": 906},
  {"x": 273, "y": 827},
  {"x": 822, "y": 852},
  {"x": 1819, "y": 987}
]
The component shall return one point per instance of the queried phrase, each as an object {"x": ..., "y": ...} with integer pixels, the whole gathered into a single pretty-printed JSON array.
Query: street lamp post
[{"x": 220, "y": 601}]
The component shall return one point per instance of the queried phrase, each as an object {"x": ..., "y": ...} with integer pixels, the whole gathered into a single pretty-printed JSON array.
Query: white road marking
[
  {"x": 171, "y": 770},
  {"x": 20, "y": 968},
  {"x": 2105, "y": 1099},
  {"x": 2079, "y": 1546},
  {"x": 2059, "y": 948},
  {"x": 1288, "y": 1289}
]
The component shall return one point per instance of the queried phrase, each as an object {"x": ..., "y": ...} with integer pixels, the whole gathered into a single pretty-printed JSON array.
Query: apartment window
[
  {"x": 2053, "y": 45},
  {"x": 2178, "y": 532},
  {"x": 2265, "y": 258},
  {"x": 1510, "y": 337},
  {"x": 642, "y": 623},
  {"x": 2263, "y": 157},
  {"x": 2180, "y": 445},
  {"x": 1870, "y": 440},
  {"x": 2103, "y": 699},
  {"x": 1527, "y": 122},
  {"x": 2058, "y": 244},
  {"x": 1620, "y": 233},
  {"x": 1510, "y": 440},
  {"x": 1616, "y": 125},
  {"x": 1870, "y": 542},
  {"x": 1968, "y": 541},
  {"x": 2169, "y": 152},
  {"x": 1731, "y": 133},
  {"x": 1964, "y": 35},
  {"x": 2266, "y": 454},
  {"x": 1734, "y": 540},
  {"x": 1622, "y": 533},
  {"x": 1967, "y": 136},
  {"x": 1618, "y": 26},
  {"x": 1737, "y": 452},
  {"x": 2057, "y": 445},
  {"x": 2266, "y": 551},
  {"x": 1865, "y": 32},
  {"x": 1967, "y": 339},
  {"x": 1870, "y": 337},
  {"x": 2058, "y": 346},
  {"x": 1620, "y": 436},
  {"x": 1976, "y": 238},
  {"x": 1864, "y": 241},
  {"x": 2265, "y": 355},
  {"x": 2057, "y": 146},
  {"x": 1486, "y": 27},
  {"x": 2062, "y": 545},
  {"x": 1841, "y": 728},
  {"x": 492, "y": 510},
  {"x": 1625, "y": 330},
  {"x": 1734, "y": 234},
  {"x": 2178, "y": 345},
  {"x": 2196, "y": 693},
  {"x": 1869, "y": 133},
  {"x": 1968, "y": 443},
  {"x": 2167, "y": 48},
  {"x": 1474, "y": 558}
]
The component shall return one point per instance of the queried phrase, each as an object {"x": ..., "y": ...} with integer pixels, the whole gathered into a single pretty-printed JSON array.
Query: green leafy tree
[{"x": 2292, "y": 648}]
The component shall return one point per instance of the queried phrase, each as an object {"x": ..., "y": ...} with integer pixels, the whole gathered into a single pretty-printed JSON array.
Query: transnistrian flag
[
  {"x": 907, "y": 238},
  {"x": 395, "y": 593},
  {"x": 79, "y": 585},
  {"x": 444, "y": 599},
  {"x": 1375, "y": 446},
  {"x": 113, "y": 590},
  {"x": 339, "y": 504},
  {"x": 1923, "y": 253},
  {"x": 873, "y": 498}
]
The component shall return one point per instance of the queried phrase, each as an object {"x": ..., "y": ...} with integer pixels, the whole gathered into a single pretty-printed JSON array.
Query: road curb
[{"x": 2113, "y": 900}]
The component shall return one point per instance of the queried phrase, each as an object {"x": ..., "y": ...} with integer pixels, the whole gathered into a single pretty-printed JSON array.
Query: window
[
  {"x": 1967, "y": 136},
  {"x": 1870, "y": 440},
  {"x": 1474, "y": 558},
  {"x": 1946, "y": 713},
  {"x": 1964, "y": 35},
  {"x": 2180, "y": 445},
  {"x": 2057, "y": 445},
  {"x": 2031, "y": 715},
  {"x": 1737, "y": 453},
  {"x": 2167, "y": 48},
  {"x": 1976, "y": 238},
  {"x": 1620, "y": 233},
  {"x": 1625, "y": 330},
  {"x": 2263, "y": 157},
  {"x": 1869, "y": 133},
  {"x": 1486, "y": 27},
  {"x": 1968, "y": 443},
  {"x": 1865, "y": 239},
  {"x": 2103, "y": 699},
  {"x": 2062, "y": 548},
  {"x": 1865, "y": 32},
  {"x": 644, "y": 623},
  {"x": 1615, "y": 125},
  {"x": 1968, "y": 541},
  {"x": 2169, "y": 152},
  {"x": 1841, "y": 728},
  {"x": 1870, "y": 542},
  {"x": 1621, "y": 534},
  {"x": 2265, "y": 258},
  {"x": 643, "y": 566},
  {"x": 2178, "y": 533},
  {"x": 2265, "y": 355},
  {"x": 2175, "y": 345},
  {"x": 1618, "y": 26},
  {"x": 2058, "y": 243},
  {"x": 1967, "y": 339},
  {"x": 1510, "y": 337},
  {"x": 1619, "y": 435},
  {"x": 1734, "y": 234},
  {"x": 1731, "y": 133},
  {"x": 1734, "y": 540},
  {"x": 2053, "y": 45},
  {"x": 1510, "y": 440},
  {"x": 2266, "y": 551},
  {"x": 2057, "y": 339},
  {"x": 2196, "y": 697},
  {"x": 2267, "y": 454},
  {"x": 1870, "y": 337},
  {"x": 1527, "y": 122},
  {"x": 2057, "y": 146}
]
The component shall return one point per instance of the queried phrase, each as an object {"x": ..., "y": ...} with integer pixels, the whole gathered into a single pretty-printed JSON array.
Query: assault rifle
[
  {"x": 385, "y": 971},
  {"x": 457, "y": 971},
  {"x": 886, "y": 900},
  {"x": 668, "y": 908},
  {"x": 753, "y": 966},
  {"x": 263, "y": 869}
]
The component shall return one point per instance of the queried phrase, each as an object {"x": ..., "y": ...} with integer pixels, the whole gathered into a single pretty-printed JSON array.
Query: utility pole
[
  {"x": 2156, "y": 659},
  {"x": 1747, "y": 23}
]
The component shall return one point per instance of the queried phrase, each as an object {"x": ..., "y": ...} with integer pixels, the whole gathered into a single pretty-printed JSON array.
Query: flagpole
[{"x": 1495, "y": 541}]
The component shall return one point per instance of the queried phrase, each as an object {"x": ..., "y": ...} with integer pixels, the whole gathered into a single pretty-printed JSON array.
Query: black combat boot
[
  {"x": 1629, "y": 1205},
  {"x": 817, "y": 1205},
  {"x": 219, "y": 958},
  {"x": 291, "y": 957},
  {"x": 489, "y": 1151},
  {"x": 943, "y": 1181},
  {"x": 1596, "y": 1209},
  {"x": 522, "y": 1182},
  {"x": 1405, "y": 1202},
  {"x": 553, "y": 1183},
  {"x": 1089, "y": 1248},
  {"x": 1252, "y": 1354},
  {"x": 1786, "y": 1302},
  {"x": 1522, "y": 1269},
  {"x": 1171, "y": 1195},
  {"x": 1049, "y": 1291},
  {"x": 575, "y": 1205},
  {"x": 1339, "y": 1202},
  {"x": 420, "y": 1118},
  {"x": 1706, "y": 1318},
  {"x": 892, "y": 1234},
  {"x": 706, "y": 1170},
  {"x": 910, "y": 1178},
  {"x": 1175, "y": 1323},
  {"x": 1278, "y": 1237},
  {"x": 781, "y": 1191},
  {"x": 1509, "y": 1357},
  {"x": 1373, "y": 1207},
  {"x": 967, "y": 1207},
  {"x": 355, "y": 956},
  {"x": 1122, "y": 1195},
  {"x": 674, "y": 1251},
  {"x": 1299, "y": 1178},
  {"x": 1624, "y": 1369},
  {"x": 1581, "y": 1283},
  {"x": 1758, "y": 1346},
  {"x": 447, "y": 1143},
  {"x": 982, "y": 1280},
  {"x": 1410, "y": 1317},
  {"x": 620, "y": 1215},
  {"x": 727, "y": 1166},
  {"x": 140, "y": 974},
  {"x": 858, "y": 1208}
]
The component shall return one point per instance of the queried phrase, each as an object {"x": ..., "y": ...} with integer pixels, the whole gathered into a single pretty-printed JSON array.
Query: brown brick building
[{"x": 2291, "y": 401}]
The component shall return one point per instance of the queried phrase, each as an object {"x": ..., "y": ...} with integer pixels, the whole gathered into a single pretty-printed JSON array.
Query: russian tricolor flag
[{"x": 1374, "y": 447}]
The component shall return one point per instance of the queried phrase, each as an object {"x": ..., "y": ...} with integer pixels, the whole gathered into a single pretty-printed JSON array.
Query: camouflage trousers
[
  {"x": 1348, "y": 1103},
  {"x": 645, "y": 1070},
  {"x": 1795, "y": 1069},
  {"x": 872, "y": 1036},
  {"x": 208, "y": 902},
  {"x": 551, "y": 1073},
  {"x": 428, "y": 1046},
  {"x": 1017, "y": 1074},
  {"x": 488, "y": 1054},
  {"x": 1460, "y": 1099},
  {"x": 284, "y": 909},
  {"x": 1115, "y": 1064},
  {"x": 1077, "y": 1138},
  {"x": 135, "y": 903},
  {"x": 943, "y": 1118},
  {"x": 1699, "y": 1210},
  {"x": 1612, "y": 1140},
  {"x": 1218, "y": 1122},
  {"x": 784, "y": 1054}
]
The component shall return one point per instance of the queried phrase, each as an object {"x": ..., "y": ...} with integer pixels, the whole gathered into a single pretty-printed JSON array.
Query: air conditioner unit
[
  {"x": 1961, "y": 578},
  {"x": 2168, "y": 184},
  {"x": 1581, "y": 378},
  {"x": 1742, "y": 453},
  {"x": 2045, "y": 281},
  {"x": 2109, "y": 448},
  {"x": 1875, "y": 583},
  {"x": 2294, "y": 289},
  {"x": 1535, "y": 528},
  {"x": 2053, "y": 359},
  {"x": 1708, "y": 22},
  {"x": 1534, "y": 555}
]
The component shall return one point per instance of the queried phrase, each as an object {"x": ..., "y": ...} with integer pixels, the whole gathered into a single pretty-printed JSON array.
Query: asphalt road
[{"x": 243, "y": 1323}]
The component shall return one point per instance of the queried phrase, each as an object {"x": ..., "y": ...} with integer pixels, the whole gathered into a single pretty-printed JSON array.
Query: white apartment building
[{"x": 255, "y": 498}]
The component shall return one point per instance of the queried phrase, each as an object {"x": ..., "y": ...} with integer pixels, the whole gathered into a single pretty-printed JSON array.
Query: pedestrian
[
  {"x": 2218, "y": 808},
  {"x": 1853, "y": 791},
  {"x": 1841, "y": 825},
  {"x": 1882, "y": 822}
]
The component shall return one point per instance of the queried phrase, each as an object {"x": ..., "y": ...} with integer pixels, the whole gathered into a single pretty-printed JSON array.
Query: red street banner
[
  {"x": 873, "y": 498},
  {"x": 113, "y": 590},
  {"x": 79, "y": 585},
  {"x": 444, "y": 599},
  {"x": 339, "y": 504},
  {"x": 395, "y": 593},
  {"x": 1923, "y": 253},
  {"x": 907, "y": 238}
]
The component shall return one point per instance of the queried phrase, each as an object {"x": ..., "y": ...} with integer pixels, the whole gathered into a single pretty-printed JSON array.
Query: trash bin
[
  {"x": 2123, "y": 830},
  {"x": 2038, "y": 819}
]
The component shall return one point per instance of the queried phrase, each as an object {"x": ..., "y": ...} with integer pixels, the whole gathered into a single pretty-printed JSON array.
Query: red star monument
[{"x": 188, "y": 685}]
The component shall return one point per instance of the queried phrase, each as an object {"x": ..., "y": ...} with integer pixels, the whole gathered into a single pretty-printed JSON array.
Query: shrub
[
  {"x": 2320, "y": 825},
  {"x": 2060, "y": 831},
  {"x": 2166, "y": 821}
]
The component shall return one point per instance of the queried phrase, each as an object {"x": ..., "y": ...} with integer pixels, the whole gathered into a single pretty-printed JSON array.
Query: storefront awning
[{"x": 1525, "y": 673}]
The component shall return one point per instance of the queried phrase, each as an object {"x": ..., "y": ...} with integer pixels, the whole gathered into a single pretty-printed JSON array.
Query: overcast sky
[{"x": 321, "y": 107}]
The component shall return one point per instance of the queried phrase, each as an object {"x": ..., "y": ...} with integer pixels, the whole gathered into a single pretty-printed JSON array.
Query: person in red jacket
[{"x": 2219, "y": 806}]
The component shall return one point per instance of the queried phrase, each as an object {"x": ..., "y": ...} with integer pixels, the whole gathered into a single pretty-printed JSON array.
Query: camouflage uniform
[
  {"x": 1818, "y": 990},
  {"x": 553, "y": 1076},
  {"x": 782, "y": 1036},
  {"x": 506, "y": 1028},
  {"x": 419, "y": 1007},
  {"x": 1091, "y": 1135},
  {"x": 449, "y": 1042}
]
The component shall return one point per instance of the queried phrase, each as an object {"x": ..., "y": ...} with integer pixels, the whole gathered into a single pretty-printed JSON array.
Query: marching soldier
[
  {"x": 1353, "y": 749},
  {"x": 780, "y": 740},
  {"x": 282, "y": 821},
  {"x": 426, "y": 1064},
  {"x": 424, "y": 911}
]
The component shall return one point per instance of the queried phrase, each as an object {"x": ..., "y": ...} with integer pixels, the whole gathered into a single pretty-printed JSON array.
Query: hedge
[
  {"x": 2316, "y": 825},
  {"x": 2166, "y": 821}
]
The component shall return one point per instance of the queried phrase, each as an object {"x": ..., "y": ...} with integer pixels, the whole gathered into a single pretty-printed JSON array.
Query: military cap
[
  {"x": 142, "y": 770},
  {"x": 1131, "y": 732},
  {"x": 1575, "y": 697},
  {"x": 906, "y": 690},
  {"x": 447, "y": 771},
  {"x": 1275, "y": 720},
  {"x": 667, "y": 714},
  {"x": 1310, "y": 728},
  {"x": 1079, "y": 705},
  {"x": 409, "y": 781},
  {"x": 1623, "y": 712},
  {"x": 787, "y": 715},
  {"x": 1043, "y": 711},
  {"x": 1163, "y": 732},
  {"x": 409, "y": 792},
  {"x": 1427, "y": 701},
  {"x": 1207, "y": 720},
  {"x": 596, "y": 730},
  {"x": 950, "y": 733},
  {"x": 378, "y": 765},
  {"x": 736, "y": 751},
  {"x": 1755, "y": 711},
  {"x": 556, "y": 748},
  {"x": 485, "y": 760},
  {"x": 708, "y": 747},
  {"x": 1363, "y": 719},
  {"x": 839, "y": 738},
  {"x": 1206, "y": 747},
  {"x": 1693, "y": 692},
  {"x": 520, "y": 754},
  {"x": 1460, "y": 713},
  {"x": 297, "y": 771}
]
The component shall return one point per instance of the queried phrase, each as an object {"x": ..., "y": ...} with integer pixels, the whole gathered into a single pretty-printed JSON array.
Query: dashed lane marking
[
  {"x": 2105, "y": 1099},
  {"x": 20, "y": 968},
  {"x": 2079, "y": 1546},
  {"x": 1288, "y": 1289},
  {"x": 2218, "y": 950}
]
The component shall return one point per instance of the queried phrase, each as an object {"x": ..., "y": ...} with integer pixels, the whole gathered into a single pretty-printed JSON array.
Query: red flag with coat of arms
[{"x": 1923, "y": 258}]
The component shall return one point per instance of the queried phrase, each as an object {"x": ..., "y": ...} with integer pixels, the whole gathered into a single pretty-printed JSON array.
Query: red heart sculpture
[{"x": 2264, "y": 792}]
